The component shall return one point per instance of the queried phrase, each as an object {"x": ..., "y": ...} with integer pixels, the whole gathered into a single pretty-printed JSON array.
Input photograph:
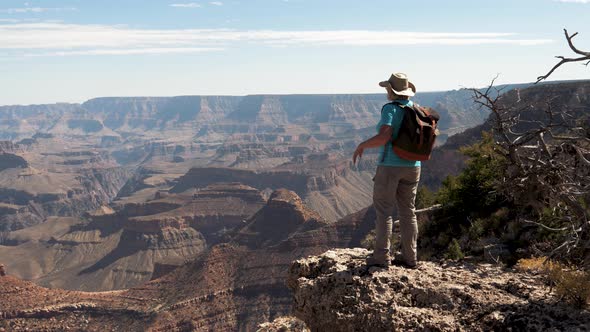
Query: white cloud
[
  {"x": 35, "y": 10},
  {"x": 216, "y": 3},
  {"x": 573, "y": 1},
  {"x": 133, "y": 51},
  {"x": 77, "y": 39},
  {"x": 186, "y": 5}
]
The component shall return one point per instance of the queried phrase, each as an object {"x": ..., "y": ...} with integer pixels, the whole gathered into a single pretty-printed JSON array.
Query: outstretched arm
[{"x": 376, "y": 141}]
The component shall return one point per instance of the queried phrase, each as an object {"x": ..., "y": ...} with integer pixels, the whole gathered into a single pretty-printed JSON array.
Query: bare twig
[
  {"x": 435, "y": 207},
  {"x": 581, "y": 156},
  {"x": 544, "y": 144},
  {"x": 546, "y": 155},
  {"x": 585, "y": 56},
  {"x": 544, "y": 226},
  {"x": 571, "y": 44}
]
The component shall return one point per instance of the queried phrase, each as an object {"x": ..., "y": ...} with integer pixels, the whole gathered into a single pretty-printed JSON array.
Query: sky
[{"x": 73, "y": 50}]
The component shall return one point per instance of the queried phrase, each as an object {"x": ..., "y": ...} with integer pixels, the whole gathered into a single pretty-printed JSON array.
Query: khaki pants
[{"x": 396, "y": 186}]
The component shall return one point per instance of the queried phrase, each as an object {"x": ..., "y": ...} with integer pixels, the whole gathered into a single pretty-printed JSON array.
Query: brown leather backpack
[{"x": 417, "y": 133}]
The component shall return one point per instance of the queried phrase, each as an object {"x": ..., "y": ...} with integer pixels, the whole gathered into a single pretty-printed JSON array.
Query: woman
[{"x": 396, "y": 180}]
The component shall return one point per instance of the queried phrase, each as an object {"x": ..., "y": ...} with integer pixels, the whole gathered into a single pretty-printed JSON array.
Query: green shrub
[
  {"x": 472, "y": 206},
  {"x": 477, "y": 229},
  {"x": 454, "y": 251},
  {"x": 474, "y": 190},
  {"x": 424, "y": 198}
]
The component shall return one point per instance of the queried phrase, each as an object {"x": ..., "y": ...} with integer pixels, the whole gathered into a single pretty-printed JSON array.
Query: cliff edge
[{"x": 336, "y": 292}]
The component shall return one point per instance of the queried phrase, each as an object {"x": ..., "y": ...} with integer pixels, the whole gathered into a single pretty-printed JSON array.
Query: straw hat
[{"x": 399, "y": 83}]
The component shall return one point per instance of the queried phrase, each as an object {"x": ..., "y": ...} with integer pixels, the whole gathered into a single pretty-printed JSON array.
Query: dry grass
[{"x": 569, "y": 284}]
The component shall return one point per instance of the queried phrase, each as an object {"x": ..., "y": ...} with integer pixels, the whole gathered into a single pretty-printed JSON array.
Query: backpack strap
[
  {"x": 395, "y": 103},
  {"x": 390, "y": 139}
]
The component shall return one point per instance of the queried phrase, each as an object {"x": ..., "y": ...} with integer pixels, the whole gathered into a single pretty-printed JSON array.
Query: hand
[{"x": 358, "y": 153}]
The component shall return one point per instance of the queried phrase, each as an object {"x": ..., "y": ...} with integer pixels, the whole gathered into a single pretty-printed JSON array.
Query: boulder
[{"x": 336, "y": 291}]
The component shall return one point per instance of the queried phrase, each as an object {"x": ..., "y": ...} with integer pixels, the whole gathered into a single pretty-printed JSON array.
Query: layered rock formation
[
  {"x": 283, "y": 216},
  {"x": 130, "y": 114},
  {"x": 24, "y": 121},
  {"x": 240, "y": 284},
  {"x": 36, "y": 309},
  {"x": 159, "y": 113},
  {"x": 213, "y": 210},
  {"x": 129, "y": 244},
  {"x": 9, "y": 147},
  {"x": 336, "y": 291},
  {"x": 327, "y": 183},
  {"x": 233, "y": 286},
  {"x": 9, "y": 160},
  {"x": 82, "y": 257},
  {"x": 34, "y": 194}
]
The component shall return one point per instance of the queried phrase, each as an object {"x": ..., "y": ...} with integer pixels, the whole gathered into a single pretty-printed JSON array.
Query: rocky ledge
[{"x": 336, "y": 292}]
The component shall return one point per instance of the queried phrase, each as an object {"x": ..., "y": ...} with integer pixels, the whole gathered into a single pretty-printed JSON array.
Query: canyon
[
  {"x": 66, "y": 159},
  {"x": 186, "y": 213},
  {"x": 265, "y": 271},
  {"x": 135, "y": 186},
  {"x": 234, "y": 285}
]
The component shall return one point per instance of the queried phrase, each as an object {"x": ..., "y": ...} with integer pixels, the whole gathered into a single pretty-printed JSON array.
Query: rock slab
[{"x": 337, "y": 292}]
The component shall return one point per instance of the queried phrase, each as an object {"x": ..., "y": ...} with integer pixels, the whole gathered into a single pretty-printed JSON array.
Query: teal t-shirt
[{"x": 392, "y": 115}]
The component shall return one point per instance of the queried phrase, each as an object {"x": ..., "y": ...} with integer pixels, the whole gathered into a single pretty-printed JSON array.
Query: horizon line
[{"x": 279, "y": 94}]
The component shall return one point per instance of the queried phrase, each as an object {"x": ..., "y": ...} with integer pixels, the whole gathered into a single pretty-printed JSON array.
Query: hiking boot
[
  {"x": 400, "y": 261},
  {"x": 378, "y": 261}
]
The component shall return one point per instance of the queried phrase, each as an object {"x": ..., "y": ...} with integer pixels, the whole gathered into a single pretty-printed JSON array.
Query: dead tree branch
[
  {"x": 585, "y": 56},
  {"x": 547, "y": 158},
  {"x": 433, "y": 208}
]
